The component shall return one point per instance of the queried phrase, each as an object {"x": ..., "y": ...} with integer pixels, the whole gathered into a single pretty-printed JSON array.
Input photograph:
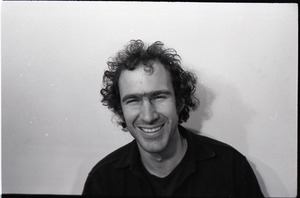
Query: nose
[{"x": 149, "y": 114}]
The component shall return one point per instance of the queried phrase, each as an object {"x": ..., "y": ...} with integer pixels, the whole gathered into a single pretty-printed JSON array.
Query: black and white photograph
[{"x": 157, "y": 99}]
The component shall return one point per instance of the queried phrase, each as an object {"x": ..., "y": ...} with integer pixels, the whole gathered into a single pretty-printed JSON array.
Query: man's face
[{"x": 149, "y": 107}]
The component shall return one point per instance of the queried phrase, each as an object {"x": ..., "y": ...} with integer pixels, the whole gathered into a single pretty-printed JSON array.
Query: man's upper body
[
  {"x": 151, "y": 94},
  {"x": 209, "y": 169}
]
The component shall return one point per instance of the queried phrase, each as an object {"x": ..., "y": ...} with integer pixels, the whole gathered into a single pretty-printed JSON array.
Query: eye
[
  {"x": 157, "y": 97},
  {"x": 131, "y": 101}
]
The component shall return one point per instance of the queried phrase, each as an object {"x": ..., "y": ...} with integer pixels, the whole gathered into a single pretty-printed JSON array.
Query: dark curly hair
[{"x": 135, "y": 53}]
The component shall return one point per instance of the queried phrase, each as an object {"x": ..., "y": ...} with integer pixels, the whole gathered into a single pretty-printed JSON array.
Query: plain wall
[{"x": 54, "y": 128}]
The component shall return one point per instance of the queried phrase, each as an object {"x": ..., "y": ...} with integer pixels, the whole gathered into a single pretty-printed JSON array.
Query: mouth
[{"x": 151, "y": 129}]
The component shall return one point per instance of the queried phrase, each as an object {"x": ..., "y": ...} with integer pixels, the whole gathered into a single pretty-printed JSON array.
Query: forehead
[{"x": 140, "y": 80}]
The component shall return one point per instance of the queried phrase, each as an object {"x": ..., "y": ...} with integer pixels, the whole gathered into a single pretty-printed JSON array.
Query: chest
[{"x": 189, "y": 181}]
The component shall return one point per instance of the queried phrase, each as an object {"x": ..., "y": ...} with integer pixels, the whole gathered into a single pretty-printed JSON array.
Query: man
[{"x": 151, "y": 94}]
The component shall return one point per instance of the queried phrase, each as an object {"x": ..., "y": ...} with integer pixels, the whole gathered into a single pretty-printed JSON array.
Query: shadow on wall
[
  {"x": 231, "y": 116},
  {"x": 235, "y": 123},
  {"x": 204, "y": 112},
  {"x": 281, "y": 190},
  {"x": 260, "y": 179}
]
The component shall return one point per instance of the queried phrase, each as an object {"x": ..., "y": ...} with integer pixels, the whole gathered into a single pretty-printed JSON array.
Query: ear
[
  {"x": 124, "y": 126},
  {"x": 121, "y": 121}
]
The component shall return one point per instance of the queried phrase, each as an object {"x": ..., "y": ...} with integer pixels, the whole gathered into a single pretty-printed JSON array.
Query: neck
[{"x": 163, "y": 163}]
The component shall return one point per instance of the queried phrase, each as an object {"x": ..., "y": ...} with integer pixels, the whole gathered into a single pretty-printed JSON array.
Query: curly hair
[{"x": 135, "y": 53}]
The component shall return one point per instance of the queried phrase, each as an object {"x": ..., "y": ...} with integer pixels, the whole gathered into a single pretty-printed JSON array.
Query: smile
[{"x": 151, "y": 130}]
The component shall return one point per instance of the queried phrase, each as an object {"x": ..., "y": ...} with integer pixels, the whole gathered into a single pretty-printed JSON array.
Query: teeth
[{"x": 152, "y": 130}]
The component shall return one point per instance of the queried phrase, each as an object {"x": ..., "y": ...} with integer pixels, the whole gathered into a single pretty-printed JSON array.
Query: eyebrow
[{"x": 146, "y": 94}]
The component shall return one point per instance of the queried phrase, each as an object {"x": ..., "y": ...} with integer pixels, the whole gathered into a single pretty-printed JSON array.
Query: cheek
[
  {"x": 130, "y": 115},
  {"x": 168, "y": 109}
]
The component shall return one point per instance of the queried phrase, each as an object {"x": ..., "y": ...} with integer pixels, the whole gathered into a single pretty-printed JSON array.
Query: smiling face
[{"x": 149, "y": 107}]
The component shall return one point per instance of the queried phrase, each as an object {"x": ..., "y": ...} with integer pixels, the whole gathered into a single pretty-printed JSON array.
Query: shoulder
[
  {"x": 217, "y": 154},
  {"x": 111, "y": 159},
  {"x": 214, "y": 147},
  {"x": 213, "y": 142}
]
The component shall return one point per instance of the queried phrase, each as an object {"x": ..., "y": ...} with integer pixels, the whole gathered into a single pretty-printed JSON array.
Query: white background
[{"x": 54, "y": 128}]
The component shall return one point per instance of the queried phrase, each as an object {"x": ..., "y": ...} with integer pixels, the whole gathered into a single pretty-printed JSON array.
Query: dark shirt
[{"x": 209, "y": 169}]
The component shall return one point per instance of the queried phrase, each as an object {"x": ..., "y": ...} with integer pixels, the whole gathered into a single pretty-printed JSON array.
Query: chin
[{"x": 154, "y": 147}]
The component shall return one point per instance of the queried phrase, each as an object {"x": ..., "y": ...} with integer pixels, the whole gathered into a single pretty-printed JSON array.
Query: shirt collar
[
  {"x": 197, "y": 147},
  {"x": 130, "y": 156}
]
